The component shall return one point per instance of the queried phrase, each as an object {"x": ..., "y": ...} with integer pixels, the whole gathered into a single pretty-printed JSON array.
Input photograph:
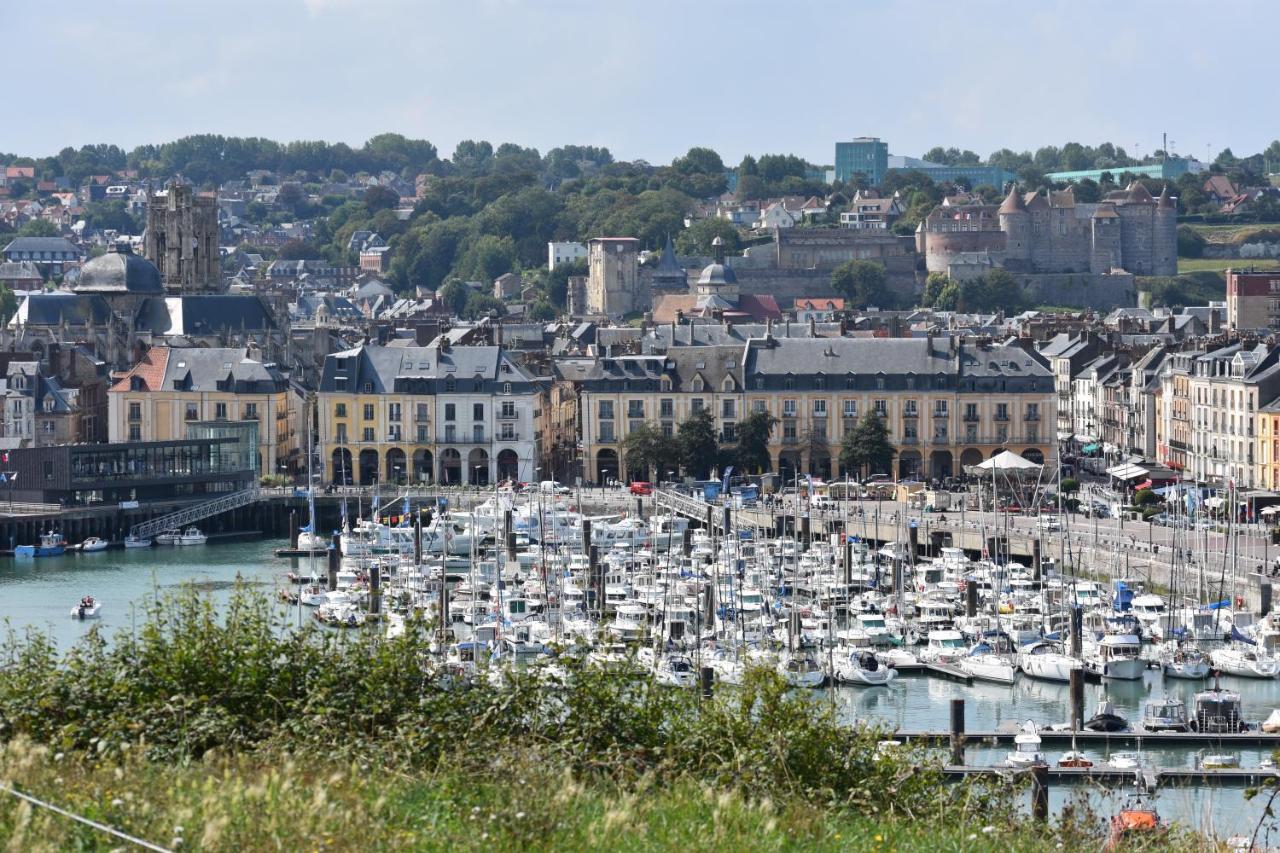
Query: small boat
[
  {"x": 1105, "y": 719},
  {"x": 87, "y": 608},
  {"x": 1074, "y": 758},
  {"x": 1124, "y": 761},
  {"x": 1165, "y": 715},
  {"x": 1219, "y": 761},
  {"x": 1026, "y": 748},
  {"x": 1271, "y": 725},
  {"x": 1184, "y": 661},
  {"x": 1245, "y": 661},
  {"x": 93, "y": 544},
  {"x": 1135, "y": 818},
  {"x": 51, "y": 545},
  {"x": 799, "y": 669},
  {"x": 1216, "y": 711},
  {"x": 862, "y": 667},
  {"x": 1047, "y": 661},
  {"x": 132, "y": 541},
  {"x": 190, "y": 536},
  {"x": 985, "y": 663}
]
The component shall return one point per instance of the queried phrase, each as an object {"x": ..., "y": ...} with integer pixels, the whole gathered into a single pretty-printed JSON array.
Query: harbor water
[{"x": 41, "y": 593}]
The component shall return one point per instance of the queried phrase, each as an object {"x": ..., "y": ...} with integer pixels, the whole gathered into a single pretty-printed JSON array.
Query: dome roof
[
  {"x": 120, "y": 271},
  {"x": 717, "y": 274}
]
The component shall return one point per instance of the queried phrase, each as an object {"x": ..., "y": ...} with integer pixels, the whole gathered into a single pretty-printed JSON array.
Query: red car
[{"x": 641, "y": 488}]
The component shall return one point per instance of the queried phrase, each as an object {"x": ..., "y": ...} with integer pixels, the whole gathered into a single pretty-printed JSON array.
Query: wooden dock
[
  {"x": 1165, "y": 777},
  {"x": 1154, "y": 740}
]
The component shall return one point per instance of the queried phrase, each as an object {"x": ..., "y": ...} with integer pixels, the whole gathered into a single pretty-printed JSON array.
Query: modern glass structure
[
  {"x": 866, "y": 155},
  {"x": 244, "y": 454}
]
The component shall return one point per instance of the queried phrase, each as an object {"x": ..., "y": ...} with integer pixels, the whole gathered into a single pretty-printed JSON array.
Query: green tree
[
  {"x": 696, "y": 239},
  {"x": 541, "y": 311},
  {"x": 698, "y": 444},
  {"x": 752, "y": 455},
  {"x": 934, "y": 285},
  {"x": 298, "y": 250},
  {"x": 38, "y": 228},
  {"x": 454, "y": 295},
  {"x": 1191, "y": 242},
  {"x": 866, "y": 448},
  {"x": 380, "y": 198},
  {"x": 863, "y": 284},
  {"x": 646, "y": 449},
  {"x": 481, "y": 304}
]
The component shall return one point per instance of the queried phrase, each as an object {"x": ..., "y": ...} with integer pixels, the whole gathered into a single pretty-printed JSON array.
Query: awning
[
  {"x": 1090, "y": 448},
  {"x": 1270, "y": 510},
  {"x": 1127, "y": 471}
]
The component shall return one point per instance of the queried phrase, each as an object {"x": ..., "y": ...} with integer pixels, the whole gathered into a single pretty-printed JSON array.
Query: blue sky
[{"x": 648, "y": 80}]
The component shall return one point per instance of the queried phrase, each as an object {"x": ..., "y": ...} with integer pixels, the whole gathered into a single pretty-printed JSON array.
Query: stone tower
[
  {"x": 613, "y": 276},
  {"x": 182, "y": 240},
  {"x": 1165, "y": 238},
  {"x": 1016, "y": 225},
  {"x": 1137, "y": 214},
  {"x": 1104, "y": 242}
]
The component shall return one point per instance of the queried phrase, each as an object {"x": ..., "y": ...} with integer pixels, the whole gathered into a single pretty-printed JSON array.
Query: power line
[{"x": 101, "y": 827}]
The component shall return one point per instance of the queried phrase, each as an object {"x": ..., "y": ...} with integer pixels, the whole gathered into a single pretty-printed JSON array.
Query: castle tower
[
  {"x": 1104, "y": 247},
  {"x": 1136, "y": 208},
  {"x": 1164, "y": 255},
  {"x": 1016, "y": 225},
  {"x": 613, "y": 272}
]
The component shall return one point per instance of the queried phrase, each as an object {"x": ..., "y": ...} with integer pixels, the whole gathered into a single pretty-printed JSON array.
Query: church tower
[{"x": 182, "y": 240}]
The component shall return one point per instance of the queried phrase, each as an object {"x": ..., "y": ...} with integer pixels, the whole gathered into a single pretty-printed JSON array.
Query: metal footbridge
[{"x": 192, "y": 514}]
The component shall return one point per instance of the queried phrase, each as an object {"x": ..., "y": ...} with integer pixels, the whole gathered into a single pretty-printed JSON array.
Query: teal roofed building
[{"x": 1169, "y": 169}]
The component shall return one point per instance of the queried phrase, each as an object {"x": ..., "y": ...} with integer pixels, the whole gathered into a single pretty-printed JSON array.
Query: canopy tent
[
  {"x": 1090, "y": 449},
  {"x": 1006, "y": 462},
  {"x": 1270, "y": 510}
]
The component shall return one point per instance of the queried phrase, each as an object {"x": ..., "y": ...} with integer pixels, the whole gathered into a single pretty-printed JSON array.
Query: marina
[{"x": 687, "y": 593}]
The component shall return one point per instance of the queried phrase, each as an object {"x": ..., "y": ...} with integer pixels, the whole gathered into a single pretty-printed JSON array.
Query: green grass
[
  {"x": 271, "y": 801},
  {"x": 1186, "y": 265}
]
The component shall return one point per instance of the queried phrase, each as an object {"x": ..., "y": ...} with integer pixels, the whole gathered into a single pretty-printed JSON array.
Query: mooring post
[
  {"x": 335, "y": 560},
  {"x": 293, "y": 530},
  {"x": 706, "y": 677},
  {"x": 1264, "y": 598},
  {"x": 971, "y": 599},
  {"x": 1037, "y": 569},
  {"x": 1076, "y": 690},
  {"x": 375, "y": 589},
  {"x": 957, "y": 732},
  {"x": 1040, "y": 792},
  {"x": 913, "y": 542},
  {"x": 1077, "y": 628}
]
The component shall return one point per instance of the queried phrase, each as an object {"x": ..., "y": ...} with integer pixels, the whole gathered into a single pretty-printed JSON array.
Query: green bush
[
  {"x": 1069, "y": 485},
  {"x": 1191, "y": 242}
]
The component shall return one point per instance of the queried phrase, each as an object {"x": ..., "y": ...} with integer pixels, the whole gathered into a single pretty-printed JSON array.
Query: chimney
[
  {"x": 768, "y": 329},
  {"x": 813, "y": 327}
]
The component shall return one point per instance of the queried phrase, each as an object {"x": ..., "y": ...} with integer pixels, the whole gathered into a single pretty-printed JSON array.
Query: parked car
[{"x": 639, "y": 487}]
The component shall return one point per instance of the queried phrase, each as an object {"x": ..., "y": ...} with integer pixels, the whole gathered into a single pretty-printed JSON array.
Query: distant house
[
  {"x": 819, "y": 310},
  {"x": 868, "y": 211},
  {"x": 564, "y": 253},
  {"x": 507, "y": 286},
  {"x": 776, "y": 215},
  {"x": 375, "y": 259},
  {"x": 19, "y": 172},
  {"x": 1219, "y": 189},
  {"x": 21, "y": 275},
  {"x": 51, "y": 254}
]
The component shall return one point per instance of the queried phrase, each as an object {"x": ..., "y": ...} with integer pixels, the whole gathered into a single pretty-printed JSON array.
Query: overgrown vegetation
[{"x": 237, "y": 732}]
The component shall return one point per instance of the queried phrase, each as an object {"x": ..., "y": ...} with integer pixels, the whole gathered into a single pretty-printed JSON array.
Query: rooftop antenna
[{"x": 1164, "y": 143}]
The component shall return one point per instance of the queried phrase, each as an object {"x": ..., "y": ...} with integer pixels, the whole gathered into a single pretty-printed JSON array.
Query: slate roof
[
  {"x": 204, "y": 315},
  {"x": 59, "y": 245},
  {"x": 205, "y": 369},
  {"x": 119, "y": 271},
  {"x": 413, "y": 369},
  {"x": 51, "y": 309}
]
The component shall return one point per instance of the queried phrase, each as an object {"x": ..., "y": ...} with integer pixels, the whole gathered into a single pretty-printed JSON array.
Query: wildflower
[
  {"x": 879, "y": 838},
  {"x": 117, "y": 802},
  {"x": 58, "y": 756},
  {"x": 987, "y": 830},
  {"x": 519, "y": 815},
  {"x": 973, "y": 836}
]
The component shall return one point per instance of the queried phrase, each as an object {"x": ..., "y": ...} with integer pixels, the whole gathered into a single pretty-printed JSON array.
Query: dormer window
[{"x": 698, "y": 384}]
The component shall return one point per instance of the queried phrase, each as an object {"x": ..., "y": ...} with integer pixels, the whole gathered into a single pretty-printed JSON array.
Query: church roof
[
  {"x": 119, "y": 271},
  {"x": 668, "y": 263},
  {"x": 204, "y": 315},
  {"x": 715, "y": 273},
  {"x": 52, "y": 309}
]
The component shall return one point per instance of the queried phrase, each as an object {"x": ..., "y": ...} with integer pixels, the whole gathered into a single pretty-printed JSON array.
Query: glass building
[{"x": 866, "y": 155}]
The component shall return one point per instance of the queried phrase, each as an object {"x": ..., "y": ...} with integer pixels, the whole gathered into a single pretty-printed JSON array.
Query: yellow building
[
  {"x": 946, "y": 404},
  {"x": 171, "y": 390}
]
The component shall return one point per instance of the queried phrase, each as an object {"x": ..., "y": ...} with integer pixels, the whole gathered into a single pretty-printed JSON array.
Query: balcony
[
  {"x": 910, "y": 441},
  {"x": 508, "y": 416},
  {"x": 788, "y": 415},
  {"x": 465, "y": 438},
  {"x": 941, "y": 413},
  {"x": 791, "y": 439},
  {"x": 1031, "y": 416},
  {"x": 1001, "y": 417},
  {"x": 970, "y": 417},
  {"x": 911, "y": 413}
]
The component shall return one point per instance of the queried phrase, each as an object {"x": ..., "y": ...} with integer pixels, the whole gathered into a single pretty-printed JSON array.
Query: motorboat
[
  {"x": 190, "y": 536},
  {"x": 1046, "y": 661},
  {"x": 132, "y": 541},
  {"x": 1105, "y": 719},
  {"x": 1135, "y": 818},
  {"x": 1184, "y": 660},
  {"x": 92, "y": 545},
  {"x": 1244, "y": 661},
  {"x": 944, "y": 646},
  {"x": 88, "y": 608},
  {"x": 1124, "y": 761},
  {"x": 1165, "y": 715},
  {"x": 1219, "y": 761},
  {"x": 51, "y": 545},
  {"x": 860, "y": 666},
  {"x": 1026, "y": 748},
  {"x": 1217, "y": 711},
  {"x": 1116, "y": 657}
]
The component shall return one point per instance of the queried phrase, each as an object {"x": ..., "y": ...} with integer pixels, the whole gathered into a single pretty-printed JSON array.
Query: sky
[{"x": 647, "y": 80}]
